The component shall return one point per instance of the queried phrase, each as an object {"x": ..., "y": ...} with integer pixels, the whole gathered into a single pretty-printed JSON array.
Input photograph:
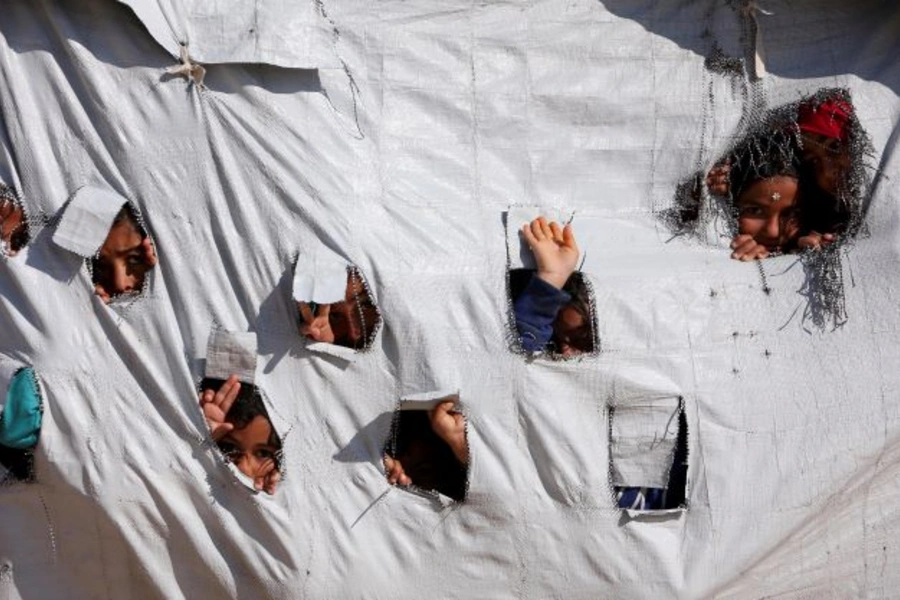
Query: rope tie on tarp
[
  {"x": 750, "y": 11},
  {"x": 188, "y": 69}
]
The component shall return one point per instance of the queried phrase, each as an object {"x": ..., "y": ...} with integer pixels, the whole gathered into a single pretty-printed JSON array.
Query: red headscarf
[{"x": 829, "y": 118}]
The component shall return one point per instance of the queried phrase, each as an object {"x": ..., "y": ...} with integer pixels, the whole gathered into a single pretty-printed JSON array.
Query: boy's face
[
  {"x": 828, "y": 159},
  {"x": 122, "y": 265},
  {"x": 768, "y": 211},
  {"x": 353, "y": 320},
  {"x": 571, "y": 332},
  {"x": 249, "y": 448}
]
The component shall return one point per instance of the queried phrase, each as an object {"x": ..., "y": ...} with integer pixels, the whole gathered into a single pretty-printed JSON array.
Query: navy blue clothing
[{"x": 536, "y": 309}]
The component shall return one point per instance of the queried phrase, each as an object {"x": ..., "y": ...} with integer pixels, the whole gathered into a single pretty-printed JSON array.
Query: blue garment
[
  {"x": 536, "y": 309},
  {"x": 641, "y": 498},
  {"x": 20, "y": 422}
]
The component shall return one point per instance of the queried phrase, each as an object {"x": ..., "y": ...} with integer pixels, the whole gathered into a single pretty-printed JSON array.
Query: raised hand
[
  {"x": 717, "y": 180},
  {"x": 450, "y": 425},
  {"x": 216, "y": 404},
  {"x": 554, "y": 248},
  {"x": 316, "y": 327}
]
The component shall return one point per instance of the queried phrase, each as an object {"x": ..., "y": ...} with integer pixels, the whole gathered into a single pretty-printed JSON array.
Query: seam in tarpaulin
[{"x": 351, "y": 82}]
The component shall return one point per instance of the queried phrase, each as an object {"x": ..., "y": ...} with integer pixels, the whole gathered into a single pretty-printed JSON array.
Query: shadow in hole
[
  {"x": 368, "y": 443},
  {"x": 235, "y": 77}
]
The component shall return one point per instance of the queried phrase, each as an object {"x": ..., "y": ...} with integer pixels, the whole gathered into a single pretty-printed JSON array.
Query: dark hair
[
  {"x": 583, "y": 338},
  {"x": 247, "y": 406},
  {"x": 129, "y": 214},
  {"x": 763, "y": 157}
]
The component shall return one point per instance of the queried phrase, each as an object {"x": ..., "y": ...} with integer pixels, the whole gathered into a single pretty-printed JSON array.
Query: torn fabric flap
[
  {"x": 342, "y": 352},
  {"x": 231, "y": 352},
  {"x": 642, "y": 442},
  {"x": 320, "y": 278},
  {"x": 520, "y": 255},
  {"x": 428, "y": 400},
  {"x": 283, "y": 33},
  {"x": 87, "y": 219}
]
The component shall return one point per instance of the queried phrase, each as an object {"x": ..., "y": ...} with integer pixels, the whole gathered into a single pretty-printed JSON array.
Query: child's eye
[
  {"x": 751, "y": 211},
  {"x": 265, "y": 454}
]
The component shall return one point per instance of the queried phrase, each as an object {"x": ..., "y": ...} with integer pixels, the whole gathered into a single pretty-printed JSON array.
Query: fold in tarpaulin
[{"x": 282, "y": 33}]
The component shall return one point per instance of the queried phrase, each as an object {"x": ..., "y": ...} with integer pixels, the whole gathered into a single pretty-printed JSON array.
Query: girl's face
[
  {"x": 249, "y": 447},
  {"x": 768, "y": 210},
  {"x": 828, "y": 159}
]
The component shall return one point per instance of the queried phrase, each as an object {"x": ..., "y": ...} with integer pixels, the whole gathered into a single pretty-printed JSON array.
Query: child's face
[
  {"x": 121, "y": 266},
  {"x": 353, "y": 319},
  {"x": 249, "y": 448},
  {"x": 12, "y": 223},
  {"x": 571, "y": 332},
  {"x": 767, "y": 210},
  {"x": 828, "y": 159}
]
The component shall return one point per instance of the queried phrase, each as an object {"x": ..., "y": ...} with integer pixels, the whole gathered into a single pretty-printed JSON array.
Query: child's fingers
[
  {"x": 150, "y": 252},
  {"x": 305, "y": 312},
  {"x": 555, "y": 232},
  {"x": 221, "y": 430},
  {"x": 537, "y": 228},
  {"x": 272, "y": 481},
  {"x": 743, "y": 247},
  {"x": 740, "y": 239},
  {"x": 528, "y": 235},
  {"x": 227, "y": 394},
  {"x": 568, "y": 238},
  {"x": 101, "y": 293}
]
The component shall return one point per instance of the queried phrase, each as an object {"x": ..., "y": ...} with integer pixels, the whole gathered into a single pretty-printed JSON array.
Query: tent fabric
[{"x": 458, "y": 111}]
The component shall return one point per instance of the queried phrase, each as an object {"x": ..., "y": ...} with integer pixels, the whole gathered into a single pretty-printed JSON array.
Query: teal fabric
[{"x": 20, "y": 423}]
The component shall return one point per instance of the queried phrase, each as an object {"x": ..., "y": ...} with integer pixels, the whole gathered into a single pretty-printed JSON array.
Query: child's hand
[
  {"x": 215, "y": 406},
  {"x": 450, "y": 426},
  {"x": 746, "y": 248},
  {"x": 316, "y": 327},
  {"x": 816, "y": 240},
  {"x": 554, "y": 250},
  {"x": 267, "y": 478},
  {"x": 394, "y": 471},
  {"x": 101, "y": 293},
  {"x": 717, "y": 180},
  {"x": 150, "y": 259}
]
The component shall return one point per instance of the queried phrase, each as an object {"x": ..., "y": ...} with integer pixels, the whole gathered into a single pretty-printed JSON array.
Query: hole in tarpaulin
[
  {"x": 353, "y": 322},
  {"x": 241, "y": 428},
  {"x": 428, "y": 450},
  {"x": 15, "y": 232},
  {"x": 20, "y": 426},
  {"x": 552, "y": 304},
  {"x": 797, "y": 180},
  {"x": 649, "y": 455},
  {"x": 119, "y": 270}
]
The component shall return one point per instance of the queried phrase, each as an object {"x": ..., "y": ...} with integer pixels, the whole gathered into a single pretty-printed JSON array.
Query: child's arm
[
  {"x": 556, "y": 254},
  {"x": 216, "y": 404},
  {"x": 450, "y": 426}
]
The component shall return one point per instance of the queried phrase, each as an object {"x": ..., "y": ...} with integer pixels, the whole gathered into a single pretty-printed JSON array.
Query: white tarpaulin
[{"x": 452, "y": 113}]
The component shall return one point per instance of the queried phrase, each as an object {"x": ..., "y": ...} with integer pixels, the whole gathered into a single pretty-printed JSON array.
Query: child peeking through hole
[
  {"x": 553, "y": 310},
  {"x": 428, "y": 449},
  {"x": 240, "y": 426},
  {"x": 350, "y": 323},
  {"x": 121, "y": 265},
  {"x": 14, "y": 233}
]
